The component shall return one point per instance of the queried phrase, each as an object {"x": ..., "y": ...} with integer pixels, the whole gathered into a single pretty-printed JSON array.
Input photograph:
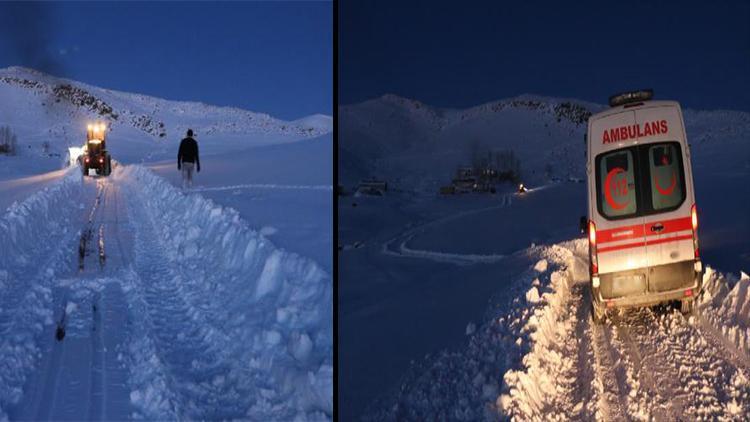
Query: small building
[
  {"x": 469, "y": 179},
  {"x": 464, "y": 172},
  {"x": 464, "y": 185}
]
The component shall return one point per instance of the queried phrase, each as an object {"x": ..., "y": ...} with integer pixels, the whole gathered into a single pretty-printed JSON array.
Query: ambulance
[{"x": 642, "y": 216}]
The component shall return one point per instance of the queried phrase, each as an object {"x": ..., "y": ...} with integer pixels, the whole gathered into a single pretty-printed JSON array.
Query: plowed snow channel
[{"x": 123, "y": 298}]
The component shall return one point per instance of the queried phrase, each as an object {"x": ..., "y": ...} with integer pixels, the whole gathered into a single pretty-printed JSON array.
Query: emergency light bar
[{"x": 630, "y": 97}]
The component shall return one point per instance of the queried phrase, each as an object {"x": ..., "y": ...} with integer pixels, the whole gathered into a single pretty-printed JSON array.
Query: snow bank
[
  {"x": 32, "y": 237},
  {"x": 268, "y": 311},
  {"x": 466, "y": 384},
  {"x": 26, "y": 225},
  {"x": 725, "y": 304},
  {"x": 560, "y": 376},
  {"x": 534, "y": 388}
]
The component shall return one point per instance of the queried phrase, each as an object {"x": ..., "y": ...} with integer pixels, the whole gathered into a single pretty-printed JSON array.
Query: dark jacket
[{"x": 188, "y": 153}]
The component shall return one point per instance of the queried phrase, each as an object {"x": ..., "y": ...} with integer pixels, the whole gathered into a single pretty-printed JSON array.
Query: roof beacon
[{"x": 630, "y": 97}]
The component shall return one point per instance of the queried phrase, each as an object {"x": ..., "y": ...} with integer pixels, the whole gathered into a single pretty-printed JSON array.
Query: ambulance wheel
[
  {"x": 598, "y": 314},
  {"x": 687, "y": 306}
]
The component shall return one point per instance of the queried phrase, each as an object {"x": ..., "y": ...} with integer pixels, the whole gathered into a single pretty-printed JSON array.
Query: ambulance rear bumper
[{"x": 677, "y": 281}]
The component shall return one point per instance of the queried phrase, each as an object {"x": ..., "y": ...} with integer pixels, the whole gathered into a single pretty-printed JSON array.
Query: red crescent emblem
[
  {"x": 608, "y": 189},
  {"x": 667, "y": 191}
]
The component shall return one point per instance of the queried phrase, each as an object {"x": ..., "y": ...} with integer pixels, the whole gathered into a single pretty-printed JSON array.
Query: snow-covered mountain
[
  {"x": 42, "y": 108},
  {"x": 419, "y": 146}
]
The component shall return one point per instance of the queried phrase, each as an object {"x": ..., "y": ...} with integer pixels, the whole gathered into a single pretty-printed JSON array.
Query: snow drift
[
  {"x": 266, "y": 310},
  {"x": 34, "y": 236}
]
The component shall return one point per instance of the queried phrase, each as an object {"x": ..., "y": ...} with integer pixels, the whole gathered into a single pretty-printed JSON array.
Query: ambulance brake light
[
  {"x": 631, "y": 97},
  {"x": 694, "y": 217},
  {"x": 592, "y": 233},
  {"x": 694, "y": 220}
]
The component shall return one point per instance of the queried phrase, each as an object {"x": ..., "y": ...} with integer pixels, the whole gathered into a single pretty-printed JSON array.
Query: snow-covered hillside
[
  {"x": 418, "y": 147},
  {"x": 42, "y": 108},
  {"x": 474, "y": 307}
]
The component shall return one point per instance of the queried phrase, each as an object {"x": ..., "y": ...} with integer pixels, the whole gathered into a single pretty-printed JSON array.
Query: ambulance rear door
[
  {"x": 619, "y": 225},
  {"x": 667, "y": 193}
]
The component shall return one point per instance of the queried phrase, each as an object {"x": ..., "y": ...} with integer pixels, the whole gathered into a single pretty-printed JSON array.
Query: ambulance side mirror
[{"x": 583, "y": 224}]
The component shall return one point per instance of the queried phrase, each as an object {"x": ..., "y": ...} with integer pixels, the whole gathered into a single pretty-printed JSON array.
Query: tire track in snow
[
  {"x": 659, "y": 392},
  {"x": 707, "y": 374},
  {"x": 74, "y": 381},
  {"x": 98, "y": 373},
  {"x": 453, "y": 258},
  {"x": 43, "y": 402},
  {"x": 610, "y": 387},
  {"x": 611, "y": 378},
  {"x": 676, "y": 368},
  {"x": 178, "y": 331}
]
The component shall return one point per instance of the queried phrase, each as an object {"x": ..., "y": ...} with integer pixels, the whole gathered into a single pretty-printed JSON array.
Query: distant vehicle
[
  {"x": 522, "y": 188},
  {"x": 372, "y": 187},
  {"x": 95, "y": 155},
  {"x": 464, "y": 185},
  {"x": 642, "y": 216}
]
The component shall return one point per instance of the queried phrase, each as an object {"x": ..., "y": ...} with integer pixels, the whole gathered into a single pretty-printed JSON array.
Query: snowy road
[
  {"x": 644, "y": 364},
  {"x": 545, "y": 359},
  {"x": 173, "y": 309},
  {"x": 402, "y": 240}
]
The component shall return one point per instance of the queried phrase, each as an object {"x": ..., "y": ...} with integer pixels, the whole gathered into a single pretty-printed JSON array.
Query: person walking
[{"x": 187, "y": 159}]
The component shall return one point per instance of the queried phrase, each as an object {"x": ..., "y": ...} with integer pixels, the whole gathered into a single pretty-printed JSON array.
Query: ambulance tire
[
  {"x": 598, "y": 315},
  {"x": 687, "y": 307}
]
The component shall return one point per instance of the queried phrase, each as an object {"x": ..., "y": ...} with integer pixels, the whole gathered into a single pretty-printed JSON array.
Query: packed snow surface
[{"x": 215, "y": 321}]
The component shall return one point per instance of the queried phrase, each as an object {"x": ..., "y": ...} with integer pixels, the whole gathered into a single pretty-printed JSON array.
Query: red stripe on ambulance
[
  {"x": 637, "y": 232},
  {"x": 641, "y": 244}
]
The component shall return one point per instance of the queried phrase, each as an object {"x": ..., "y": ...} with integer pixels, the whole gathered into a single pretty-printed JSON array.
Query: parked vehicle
[
  {"x": 372, "y": 187},
  {"x": 642, "y": 215}
]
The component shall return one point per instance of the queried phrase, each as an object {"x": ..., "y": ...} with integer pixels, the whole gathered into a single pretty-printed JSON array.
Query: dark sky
[
  {"x": 271, "y": 57},
  {"x": 463, "y": 53}
]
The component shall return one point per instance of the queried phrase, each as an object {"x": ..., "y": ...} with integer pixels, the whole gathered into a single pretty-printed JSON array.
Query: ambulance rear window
[
  {"x": 640, "y": 180},
  {"x": 616, "y": 184},
  {"x": 667, "y": 178}
]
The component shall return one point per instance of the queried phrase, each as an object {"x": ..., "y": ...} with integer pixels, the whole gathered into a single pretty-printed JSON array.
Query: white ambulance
[{"x": 642, "y": 218}]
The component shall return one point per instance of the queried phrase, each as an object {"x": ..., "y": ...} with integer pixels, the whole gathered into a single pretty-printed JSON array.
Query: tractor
[{"x": 95, "y": 155}]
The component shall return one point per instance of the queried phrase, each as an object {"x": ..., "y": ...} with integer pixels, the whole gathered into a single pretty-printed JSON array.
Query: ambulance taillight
[
  {"x": 694, "y": 219},
  {"x": 592, "y": 248}
]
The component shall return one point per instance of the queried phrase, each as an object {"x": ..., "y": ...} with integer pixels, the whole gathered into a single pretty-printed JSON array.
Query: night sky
[
  {"x": 460, "y": 54},
  {"x": 271, "y": 57}
]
